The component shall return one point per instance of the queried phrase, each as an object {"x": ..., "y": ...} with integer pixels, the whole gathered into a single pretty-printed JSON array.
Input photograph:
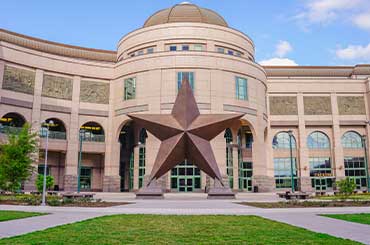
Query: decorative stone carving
[
  {"x": 283, "y": 105},
  {"x": 317, "y": 105},
  {"x": 19, "y": 80},
  {"x": 57, "y": 87},
  {"x": 351, "y": 105},
  {"x": 94, "y": 92}
]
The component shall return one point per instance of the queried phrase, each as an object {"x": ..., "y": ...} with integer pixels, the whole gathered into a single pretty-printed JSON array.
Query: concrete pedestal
[
  {"x": 151, "y": 191},
  {"x": 221, "y": 191}
]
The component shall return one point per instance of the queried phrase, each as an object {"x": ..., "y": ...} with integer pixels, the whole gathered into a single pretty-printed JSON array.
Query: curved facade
[{"x": 86, "y": 94}]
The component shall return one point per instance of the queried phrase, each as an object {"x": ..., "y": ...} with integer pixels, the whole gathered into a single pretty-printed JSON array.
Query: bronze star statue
[{"x": 185, "y": 134}]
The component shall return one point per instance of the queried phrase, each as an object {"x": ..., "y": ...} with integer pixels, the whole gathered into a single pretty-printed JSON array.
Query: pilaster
[{"x": 338, "y": 159}]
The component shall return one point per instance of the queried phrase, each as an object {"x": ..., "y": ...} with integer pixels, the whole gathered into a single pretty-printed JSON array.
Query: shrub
[
  {"x": 346, "y": 186},
  {"x": 54, "y": 201},
  {"x": 40, "y": 182}
]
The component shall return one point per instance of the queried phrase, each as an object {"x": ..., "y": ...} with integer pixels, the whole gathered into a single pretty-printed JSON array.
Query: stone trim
[
  {"x": 351, "y": 105},
  {"x": 15, "y": 102},
  {"x": 19, "y": 80},
  {"x": 57, "y": 87},
  {"x": 317, "y": 105},
  {"x": 201, "y": 106},
  {"x": 94, "y": 92},
  {"x": 89, "y": 112},
  {"x": 55, "y": 108},
  {"x": 283, "y": 105},
  {"x": 57, "y": 48},
  {"x": 240, "y": 109},
  {"x": 132, "y": 109},
  {"x": 352, "y": 123},
  {"x": 318, "y": 123},
  {"x": 283, "y": 123}
]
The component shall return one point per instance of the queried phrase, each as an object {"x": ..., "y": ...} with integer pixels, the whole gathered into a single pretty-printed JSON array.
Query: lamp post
[
  {"x": 43, "y": 203},
  {"x": 364, "y": 144},
  {"x": 82, "y": 133},
  {"x": 290, "y": 133}
]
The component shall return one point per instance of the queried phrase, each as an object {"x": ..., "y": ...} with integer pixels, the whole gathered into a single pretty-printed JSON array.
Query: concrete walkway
[{"x": 302, "y": 217}]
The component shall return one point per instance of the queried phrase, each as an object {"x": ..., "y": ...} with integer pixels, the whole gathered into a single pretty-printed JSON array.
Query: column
[
  {"x": 71, "y": 163},
  {"x": 112, "y": 178},
  {"x": 35, "y": 125},
  {"x": 302, "y": 159},
  {"x": 338, "y": 160}
]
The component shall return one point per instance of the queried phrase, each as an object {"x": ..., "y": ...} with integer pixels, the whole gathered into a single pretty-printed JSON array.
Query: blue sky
[{"x": 304, "y": 32}]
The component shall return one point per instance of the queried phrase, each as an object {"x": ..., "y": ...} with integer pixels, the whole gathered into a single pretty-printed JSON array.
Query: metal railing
[
  {"x": 9, "y": 129},
  {"x": 94, "y": 137},
  {"x": 54, "y": 135}
]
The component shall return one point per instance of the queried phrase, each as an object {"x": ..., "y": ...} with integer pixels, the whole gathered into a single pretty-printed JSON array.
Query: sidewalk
[{"x": 302, "y": 217}]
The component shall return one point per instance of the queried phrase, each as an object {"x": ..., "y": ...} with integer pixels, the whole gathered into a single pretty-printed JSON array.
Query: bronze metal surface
[{"x": 185, "y": 134}]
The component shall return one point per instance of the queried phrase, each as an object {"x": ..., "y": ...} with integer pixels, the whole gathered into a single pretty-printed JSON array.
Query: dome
[{"x": 185, "y": 12}]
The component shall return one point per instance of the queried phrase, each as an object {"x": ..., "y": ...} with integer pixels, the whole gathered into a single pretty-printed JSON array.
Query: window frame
[
  {"x": 125, "y": 92},
  {"x": 238, "y": 95}
]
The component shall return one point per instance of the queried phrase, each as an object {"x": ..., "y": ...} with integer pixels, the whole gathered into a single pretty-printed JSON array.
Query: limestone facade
[{"x": 82, "y": 87}]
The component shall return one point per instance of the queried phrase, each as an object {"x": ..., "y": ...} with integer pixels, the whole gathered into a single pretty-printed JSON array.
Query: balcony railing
[
  {"x": 94, "y": 137},
  {"x": 54, "y": 135},
  {"x": 9, "y": 129}
]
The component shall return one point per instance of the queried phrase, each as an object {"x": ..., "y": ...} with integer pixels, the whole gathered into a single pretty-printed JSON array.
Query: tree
[
  {"x": 16, "y": 158},
  {"x": 40, "y": 182},
  {"x": 346, "y": 186}
]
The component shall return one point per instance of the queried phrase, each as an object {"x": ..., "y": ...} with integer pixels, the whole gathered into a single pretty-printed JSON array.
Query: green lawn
[
  {"x": 362, "y": 197},
  {"x": 357, "y": 218},
  {"x": 159, "y": 229},
  {"x": 9, "y": 215}
]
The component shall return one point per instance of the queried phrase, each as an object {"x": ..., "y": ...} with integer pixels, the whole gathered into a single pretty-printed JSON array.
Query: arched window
[
  {"x": 281, "y": 141},
  {"x": 318, "y": 140},
  {"x": 229, "y": 156},
  {"x": 351, "y": 140},
  {"x": 142, "y": 155},
  {"x": 56, "y": 127},
  {"x": 92, "y": 131}
]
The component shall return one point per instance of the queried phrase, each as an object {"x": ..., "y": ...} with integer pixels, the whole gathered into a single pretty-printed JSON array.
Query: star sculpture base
[
  {"x": 152, "y": 191},
  {"x": 219, "y": 191}
]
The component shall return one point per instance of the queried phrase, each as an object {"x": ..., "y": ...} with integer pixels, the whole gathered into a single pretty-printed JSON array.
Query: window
[
  {"x": 281, "y": 141},
  {"x": 140, "y": 52},
  {"x": 185, "y": 47},
  {"x": 355, "y": 169},
  {"x": 229, "y": 157},
  {"x": 150, "y": 50},
  {"x": 248, "y": 140},
  {"x": 40, "y": 169},
  {"x": 238, "y": 54},
  {"x": 131, "y": 171},
  {"x": 185, "y": 75},
  {"x": 198, "y": 47},
  {"x": 283, "y": 172},
  {"x": 130, "y": 89},
  {"x": 230, "y": 52},
  {"x": 85, "y": 178},
  {"x": 142, "y": 156},
  {"x": 185, "y": 177},
  {"x": 318, "y": 140},
  {"x": 241, "y": 88},
  {"x": 220, "y": 50},
  {"x": 352, "y": 140},
  {"x": 173, "y": 48},
  {"x": 321, "y": 173},
  {"x": 245, "y": 174}
]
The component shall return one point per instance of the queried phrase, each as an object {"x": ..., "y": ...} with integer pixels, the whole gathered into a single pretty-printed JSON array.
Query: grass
[
  {"x": 357, "y": 218},
  {"x": 361, "y": 197},
  {"x": 161, "y": 229},
  {"x": 10, "y": 215}
]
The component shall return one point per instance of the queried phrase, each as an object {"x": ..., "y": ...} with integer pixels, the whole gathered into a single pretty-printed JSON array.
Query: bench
[
  {"x": 296, "y": 195},
  {"x": 70, "y": 195}
]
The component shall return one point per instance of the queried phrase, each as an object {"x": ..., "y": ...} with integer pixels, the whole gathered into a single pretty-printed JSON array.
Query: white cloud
[
  {"x": 354, "y": 52},
  {"x": 283, "y": 48},
  {"x": 278, "y": 62},
  {"x": 324, "y": 11},
  {"x": 362, "y": 21}
]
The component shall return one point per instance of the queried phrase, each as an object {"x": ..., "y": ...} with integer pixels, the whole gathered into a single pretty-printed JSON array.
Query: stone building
[{"x": 87, "y": 94}]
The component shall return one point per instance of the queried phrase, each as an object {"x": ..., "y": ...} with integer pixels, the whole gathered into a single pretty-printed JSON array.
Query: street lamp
[
  {"x": 43, "y": 203},
  {"x": 366, "y": 163},
  {"x": 82, "y": 134}
]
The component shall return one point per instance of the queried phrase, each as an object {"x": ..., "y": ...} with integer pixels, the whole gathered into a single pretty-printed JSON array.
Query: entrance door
[
  {"x": 185, "y": 177},
  {"x": 322, "y": 184}
]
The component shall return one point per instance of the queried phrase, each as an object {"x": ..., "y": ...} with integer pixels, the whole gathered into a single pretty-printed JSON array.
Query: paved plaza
[{"x": 191, "y": 204}]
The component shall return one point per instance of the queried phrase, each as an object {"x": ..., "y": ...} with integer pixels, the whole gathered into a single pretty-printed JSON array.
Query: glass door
[{"x": 185, "y": 177}]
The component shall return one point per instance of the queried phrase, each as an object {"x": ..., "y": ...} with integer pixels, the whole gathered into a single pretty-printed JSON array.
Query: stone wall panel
[
  {"x": 317, "y": 105},
  {"x": 19, "y": 80},
  {"x": 94, "y": 92},
  {"x": 351, "y": 105},
  {"x": 57, "y": 87},
  {"x": 283, "y": 105}
]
